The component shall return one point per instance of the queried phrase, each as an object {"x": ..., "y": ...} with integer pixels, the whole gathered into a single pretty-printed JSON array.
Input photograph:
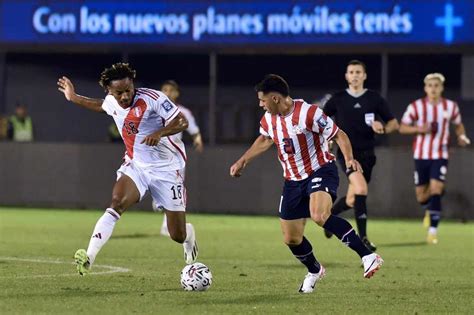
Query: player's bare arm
[
  {"x": 390, "y": 127},
  {"x": 67, "y": 88},
  {"x": 178, "y": 124},
  {"x": 414, "y": 130},
  {"x": 197, "y": 142},
  {"x": 463, "y": 140},
  {"x": 260, "y": 145},
  {"x": 345, "y": 146}
]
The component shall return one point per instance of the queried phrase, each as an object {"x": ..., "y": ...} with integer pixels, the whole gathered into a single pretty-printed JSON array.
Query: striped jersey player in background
[
  {"x": 429, "y": 119},
  {"x": 171, "y": 89},
  {"x": 301, "y": 133},
  {"x": 153, "y": 161}
]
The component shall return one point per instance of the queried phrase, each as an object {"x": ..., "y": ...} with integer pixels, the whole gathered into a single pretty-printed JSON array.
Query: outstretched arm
[
  {"x": 67, "y": 88},
  {"x": 345, "y": 146},
  {"x": 414, "y": 130},
  {"x": 260, "y": 145}
]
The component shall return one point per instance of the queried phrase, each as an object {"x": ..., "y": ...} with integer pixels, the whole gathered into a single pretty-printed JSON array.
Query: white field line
[{"x": 111, "y": 269}]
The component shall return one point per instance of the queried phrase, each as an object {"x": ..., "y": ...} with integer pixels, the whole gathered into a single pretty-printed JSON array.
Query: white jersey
[
  {"x": 150, "y": 111},
  {"x": 432, "y": 145},
  {"x": 193, "y": 128},
  {"x": 301, "y": 138}
]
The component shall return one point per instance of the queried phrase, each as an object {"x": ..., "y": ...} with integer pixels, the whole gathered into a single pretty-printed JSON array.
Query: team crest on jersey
[
  {"x": 137, "y": 111},
  {"x": 322, "y": 122},
  {"x": 167, "y": 106}
]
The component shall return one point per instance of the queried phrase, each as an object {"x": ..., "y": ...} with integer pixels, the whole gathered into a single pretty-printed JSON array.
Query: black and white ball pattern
[{"x": 196, "y": 277}]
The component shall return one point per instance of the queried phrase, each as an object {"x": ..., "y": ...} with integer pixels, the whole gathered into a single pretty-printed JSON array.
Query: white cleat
[
  {"x": 309, "y": 282},
  {"x": 371, "y": 264},
  {"x": 190, "y": 246}
]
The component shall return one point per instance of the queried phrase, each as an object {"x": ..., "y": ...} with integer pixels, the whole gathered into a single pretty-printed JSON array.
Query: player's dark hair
[
  {"x": 117, "y": 71},
  {"x": 173, "y": 83},
  {"x": 355, "y": 62},
  {"x": 273, "y": 83}
]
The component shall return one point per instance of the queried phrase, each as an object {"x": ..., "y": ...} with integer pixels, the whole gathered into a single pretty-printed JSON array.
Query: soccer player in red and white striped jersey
[
  {"x": 301, "y": 133},
  {"x": 429, "y": 119},
  {"x": 146, "y": 120}
]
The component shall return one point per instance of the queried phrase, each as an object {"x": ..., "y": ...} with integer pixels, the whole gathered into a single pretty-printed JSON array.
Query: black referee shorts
[{"x": 367, "y": 160}]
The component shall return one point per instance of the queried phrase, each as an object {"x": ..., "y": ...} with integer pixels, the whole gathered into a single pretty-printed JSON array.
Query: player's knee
[
  {"x": 178, "y": 236},
  {"x": 350, "y": 200},
  {"x": 118, "y": 203},
  {"x": 319, "y": 217},
  {"x": 436, "y": 190},
  {"x": 292, "y": 240}
]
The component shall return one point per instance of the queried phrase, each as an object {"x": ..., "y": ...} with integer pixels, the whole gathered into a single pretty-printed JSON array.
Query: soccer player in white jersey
[
  {"x": 171, "y": 89},
  {"x": 428, "y": 119},
  {"x": 301, "y": 133},
  {"x": 153, "y": 160}
]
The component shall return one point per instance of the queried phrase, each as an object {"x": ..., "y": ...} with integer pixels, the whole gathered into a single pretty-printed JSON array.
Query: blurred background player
[
  {"x": 146, "y": 118},
  {"x": 428, "y": 119},
  {"x": 355, "y": 111},
  {"x": 20, "y": 128},
  {"x": 301, "y": 133},
  {"x": 171, "y": 89}
]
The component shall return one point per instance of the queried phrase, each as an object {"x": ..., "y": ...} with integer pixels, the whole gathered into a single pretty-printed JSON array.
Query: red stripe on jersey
[
  {"x": 264, "y": 124},
  {"x": 420, "y": 145},
  {"x": 454, "y": 114},
  {"x": 443, "y": 131},
  {"x": 310, "y": 117},
  {"x": 153, "y": 96},
  {"x": 317, "y": 143},
  {"x": 131, "y": 125},
  {"x": 152, "y": 92},
  {"x": 416, "y": 110},
  {"x": 416, "y": 138},
  {"x": 433, "y": 134},
  {"x": 177, "y": 148},
  {"x": 279, "y": 149},
  {"x": 335, "y": 128},
  {"x": 302, "y": 139},
  {"x": 291, "y": 157}
]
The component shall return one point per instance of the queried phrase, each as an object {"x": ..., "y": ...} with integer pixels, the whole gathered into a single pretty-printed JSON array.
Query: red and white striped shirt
[
  {"x": 432, "y": 145},
  {"x": 301, "y": 138}
]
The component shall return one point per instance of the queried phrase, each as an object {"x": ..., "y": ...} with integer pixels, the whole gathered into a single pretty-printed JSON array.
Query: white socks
[
  {"x": 432, "y": 230},
  {"x": 102, "y": 232},
  {"x": 189, "y": 232}
]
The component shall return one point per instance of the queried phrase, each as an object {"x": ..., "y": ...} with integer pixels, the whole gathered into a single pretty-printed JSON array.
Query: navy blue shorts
[
  {"x": 294, "y": 203},
  {"x": 430, "y": 169}
]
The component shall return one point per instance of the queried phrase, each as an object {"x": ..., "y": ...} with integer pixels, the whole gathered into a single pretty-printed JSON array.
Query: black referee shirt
[{"x": 355, "y": 115}]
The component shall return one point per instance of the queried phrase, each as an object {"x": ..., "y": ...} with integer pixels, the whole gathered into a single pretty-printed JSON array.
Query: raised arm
[
  {"x": 260, "y": 145},
  {"x": 67, "y": 88}
]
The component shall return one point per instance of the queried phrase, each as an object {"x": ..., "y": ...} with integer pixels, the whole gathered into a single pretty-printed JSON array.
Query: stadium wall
[{"x": 81, "y": 176}]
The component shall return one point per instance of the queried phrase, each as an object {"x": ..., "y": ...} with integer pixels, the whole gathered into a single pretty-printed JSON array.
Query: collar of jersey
[
  {"x": 291, "y": 112},
  {"x": 427, "y": 100},
  {"x": 356, "y": 95}
]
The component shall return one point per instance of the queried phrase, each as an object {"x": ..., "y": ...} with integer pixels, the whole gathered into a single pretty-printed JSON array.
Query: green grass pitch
[{"x": 254, "y": 272}]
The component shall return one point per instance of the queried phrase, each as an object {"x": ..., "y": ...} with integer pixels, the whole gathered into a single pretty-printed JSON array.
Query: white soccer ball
[{"x": 196, "y": 277}]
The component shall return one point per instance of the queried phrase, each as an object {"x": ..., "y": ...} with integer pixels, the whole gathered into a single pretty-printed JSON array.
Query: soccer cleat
[
  {"x": 432, "y": 238},
  {"x": 369, "y": 244},
  {"x": 426, "y": 220},
  {"x": 309, "y": 282},
  {"x": 82, "y": 262},
  {"x": 371, "y": 263},
  {"x": 328, "y": 234},
  {"x": 190, "y": 247}
]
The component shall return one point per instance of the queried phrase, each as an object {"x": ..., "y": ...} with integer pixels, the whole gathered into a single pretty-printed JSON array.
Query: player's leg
[
  {"x": 436, "y": 187},
  {"x": 168, "y": 191},
  {"x": 320, "y": 205},
  {"x": 357, "y": 193},
  {"x": 164, "y": 225},
  {"x": 124, "y": 194},
  {"x": 293, "y": 236},
  {"x": 422, "y": 179}
]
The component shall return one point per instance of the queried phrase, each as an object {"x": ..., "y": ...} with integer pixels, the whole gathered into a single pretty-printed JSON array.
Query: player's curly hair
[{"x": 117, "y": 71}]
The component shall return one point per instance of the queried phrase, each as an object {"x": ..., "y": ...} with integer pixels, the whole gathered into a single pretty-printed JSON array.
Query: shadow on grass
[
  {"x": 136, "y": 235},
  {"x": 407, "y": 244}
]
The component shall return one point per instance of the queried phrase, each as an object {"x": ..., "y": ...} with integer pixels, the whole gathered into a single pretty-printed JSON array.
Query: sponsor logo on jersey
[
  {"x": 167, "y": 106},
  {"x": 297, "y": 130},
  {"x": 137, "y": 111},
  {"x": 357, "y": 105}
]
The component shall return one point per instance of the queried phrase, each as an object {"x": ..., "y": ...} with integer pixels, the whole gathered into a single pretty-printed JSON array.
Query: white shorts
[{"x": 166, "y": 187}]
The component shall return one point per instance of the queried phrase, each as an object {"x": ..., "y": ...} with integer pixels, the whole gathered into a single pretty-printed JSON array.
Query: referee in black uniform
[{"x": 356, "y": 111}]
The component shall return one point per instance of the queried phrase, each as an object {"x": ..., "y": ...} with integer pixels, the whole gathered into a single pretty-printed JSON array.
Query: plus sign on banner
[{"x": 240, "y": 23}]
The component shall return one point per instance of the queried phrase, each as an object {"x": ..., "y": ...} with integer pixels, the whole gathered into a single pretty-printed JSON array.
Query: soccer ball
[{"x": 196, "y": 277}]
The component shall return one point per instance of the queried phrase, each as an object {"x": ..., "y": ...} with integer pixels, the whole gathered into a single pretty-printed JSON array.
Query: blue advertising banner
[{"x": 256, "y": 23}]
